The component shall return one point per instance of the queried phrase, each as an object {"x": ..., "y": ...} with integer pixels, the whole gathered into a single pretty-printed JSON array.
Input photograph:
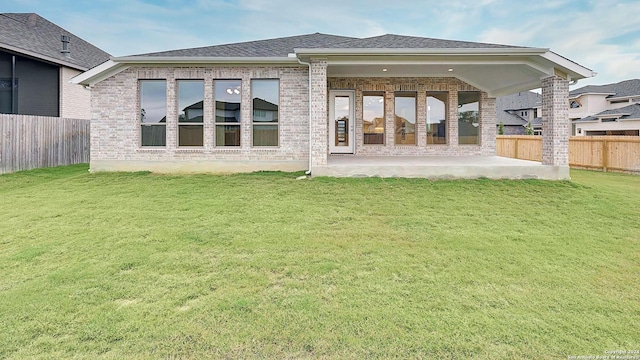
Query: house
[
  {"x": 517, "y": 110},
  {"x": 610, "y": 109},
  {"x": 37, "y": 61},
  {"x": 387, "y": 105}
]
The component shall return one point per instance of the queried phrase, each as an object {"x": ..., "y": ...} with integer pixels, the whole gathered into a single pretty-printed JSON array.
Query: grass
[{"x": 139, "y": 265}]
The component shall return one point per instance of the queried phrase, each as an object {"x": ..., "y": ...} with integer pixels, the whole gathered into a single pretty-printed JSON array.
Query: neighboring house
[
  {"x": 515, "y": 111},
  {"x": 388, "y": 105},
  {"x": 37, "y": 61},
  {"x": 610, "y": 109}
]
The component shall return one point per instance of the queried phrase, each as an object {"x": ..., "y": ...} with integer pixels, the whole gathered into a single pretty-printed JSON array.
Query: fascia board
[
  {"x": 609, "y": 116},
  {"x": 590, "y": 93},
  {"x": 118, "y": 64},
  {"x": 98, "y": 73},
  {"x": 569, "y": 65}
]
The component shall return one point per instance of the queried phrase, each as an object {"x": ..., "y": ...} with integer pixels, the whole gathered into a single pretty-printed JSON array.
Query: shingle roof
[
  {"x": 279, "y": 47},
  {"x": 621, "y": 89},
  {"x": 633, "y": 111},
  {"x": 282, "y": 47},
  {"x": 392, "y": 41},
  {"x": 35, "y": 34},
  {"x": 518, "y": 101}
]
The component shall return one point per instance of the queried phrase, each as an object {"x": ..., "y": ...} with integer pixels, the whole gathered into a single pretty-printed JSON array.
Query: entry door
[{"x": 341, "y": 121}]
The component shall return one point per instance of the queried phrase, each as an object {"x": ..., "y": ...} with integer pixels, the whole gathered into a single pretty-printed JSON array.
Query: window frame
[
  {"x": 184, "y": 124},
  {"x": 141, "y": 123},
  {"x": 405, "y": 94},
  {"x": 384, "y": 120},
  {"x": 265, "y": 124},
  {"x": 222, "y": 125},
  {"x": 446, "y": 117},
  {"x": 479, "y": 117}
]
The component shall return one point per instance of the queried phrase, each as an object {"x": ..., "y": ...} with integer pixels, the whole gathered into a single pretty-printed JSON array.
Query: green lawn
[{"x": 139, "y": 265}]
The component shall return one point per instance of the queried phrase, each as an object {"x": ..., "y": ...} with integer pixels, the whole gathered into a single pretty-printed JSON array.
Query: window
[
  {"x": 468, "y": 117},
  {"x": 373, "y": 118},
  {"x": 405, "y": 118},
  {"x": 574, "y": 104},
  {"x": 153, "y": 112},
  {"x": 228, "y": 99},
  {"x": 265, "y": 97},
  {"x": 190, "y": 116},
  {"x": 437, "y": 117},
  {"x": 524, "y": 113}
]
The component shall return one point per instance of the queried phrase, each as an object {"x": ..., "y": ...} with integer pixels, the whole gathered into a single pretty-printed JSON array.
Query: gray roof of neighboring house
[
  {"x": 633, "y": 112},
  {"x": 36, "y": 35},
  {"x": 621, "y": 89},
  {"x": 518, "y": 101},
  {"x": 282, "y": 47},
  {"x": 279, "y": 47}
]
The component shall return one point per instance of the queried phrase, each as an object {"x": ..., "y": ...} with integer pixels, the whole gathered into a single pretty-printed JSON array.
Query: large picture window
[
  {"x": 373, "y": 118},
  {"x": 265, "y": 97},
  {"x": 405, "y": 118},
  {"x": 153, "y": 112},
  {"x": 437, "y": 117},
  {"x": 468, "y": 117},
  {"x": 190, "y": 116},
  {"x": 228, "y": 95}
]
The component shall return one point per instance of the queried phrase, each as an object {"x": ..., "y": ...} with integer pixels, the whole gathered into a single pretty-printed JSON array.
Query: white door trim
[{"x": 336, "y": 147}]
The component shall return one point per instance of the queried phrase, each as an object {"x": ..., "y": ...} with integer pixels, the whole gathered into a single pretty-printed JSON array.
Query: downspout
[{"x": 308, "y": 172}]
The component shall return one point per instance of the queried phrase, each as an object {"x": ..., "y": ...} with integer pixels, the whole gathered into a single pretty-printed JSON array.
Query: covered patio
[
  {"x": 462, "y": 79},
  {"x": 439, "y": 167}
]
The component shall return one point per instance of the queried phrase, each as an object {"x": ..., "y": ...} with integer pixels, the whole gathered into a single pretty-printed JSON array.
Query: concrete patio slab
[{"x": 439, "y": 167}]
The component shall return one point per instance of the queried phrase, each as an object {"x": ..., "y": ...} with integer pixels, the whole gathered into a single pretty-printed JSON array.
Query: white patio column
[
  {"x": 555, "y": 123},
  {"x": 318, "y": 116}
]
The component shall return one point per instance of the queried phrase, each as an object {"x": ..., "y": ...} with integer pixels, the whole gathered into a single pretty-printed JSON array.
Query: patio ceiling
[{"x": 497, "y": 74}]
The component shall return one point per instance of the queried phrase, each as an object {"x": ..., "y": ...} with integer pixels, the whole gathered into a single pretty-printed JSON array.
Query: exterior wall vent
[{"x": 65, "y": 45}]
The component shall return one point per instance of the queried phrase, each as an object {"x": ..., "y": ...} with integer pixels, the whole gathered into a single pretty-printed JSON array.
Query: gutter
[{"x": 308, "y": 172}]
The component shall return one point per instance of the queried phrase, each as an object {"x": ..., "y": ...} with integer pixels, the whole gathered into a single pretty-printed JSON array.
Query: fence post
[
  {"x": 516, "y": 148},
  {"x": 605, "y": 155}
]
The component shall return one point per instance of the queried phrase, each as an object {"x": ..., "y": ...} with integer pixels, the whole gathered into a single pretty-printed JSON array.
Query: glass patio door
[{"x": 341, "y": 122}]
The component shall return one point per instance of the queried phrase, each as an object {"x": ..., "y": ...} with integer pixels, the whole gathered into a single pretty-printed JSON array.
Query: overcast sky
[{"x": 601, "y": 35}]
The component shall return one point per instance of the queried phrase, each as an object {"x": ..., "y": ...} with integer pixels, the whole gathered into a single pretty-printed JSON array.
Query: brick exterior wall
[
  {"x": 115, "y": 127},
  {"x": 420, "y": 86},
  {"x": 555, "y": 121},
  {"x": 115, "y": 123},
  {"x": 319, "y": 118},
  {"x": 75, "y": 100}
]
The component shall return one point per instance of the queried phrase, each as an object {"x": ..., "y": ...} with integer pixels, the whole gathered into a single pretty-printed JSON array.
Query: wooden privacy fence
[
  {"x": 618, "y": 153},
  {"x": 29, "y": 142}
]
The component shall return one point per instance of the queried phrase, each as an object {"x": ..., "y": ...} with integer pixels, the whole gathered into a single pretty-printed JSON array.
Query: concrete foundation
[
  {"x": 439, "y": 167},
  {"x": 197, "y": 166}
]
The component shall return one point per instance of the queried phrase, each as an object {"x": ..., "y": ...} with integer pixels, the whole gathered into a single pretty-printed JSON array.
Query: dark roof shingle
[
  {"x": 393, "y": 41},
  {"x": 282, "y": 47},
  {"x": 518, "y": 101},
  {"x": 633, "y": 112},
  {"x": 621, "y": 89},
  {"x": 32, "y": 33},
  {"x": 279, "y": 47}
]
